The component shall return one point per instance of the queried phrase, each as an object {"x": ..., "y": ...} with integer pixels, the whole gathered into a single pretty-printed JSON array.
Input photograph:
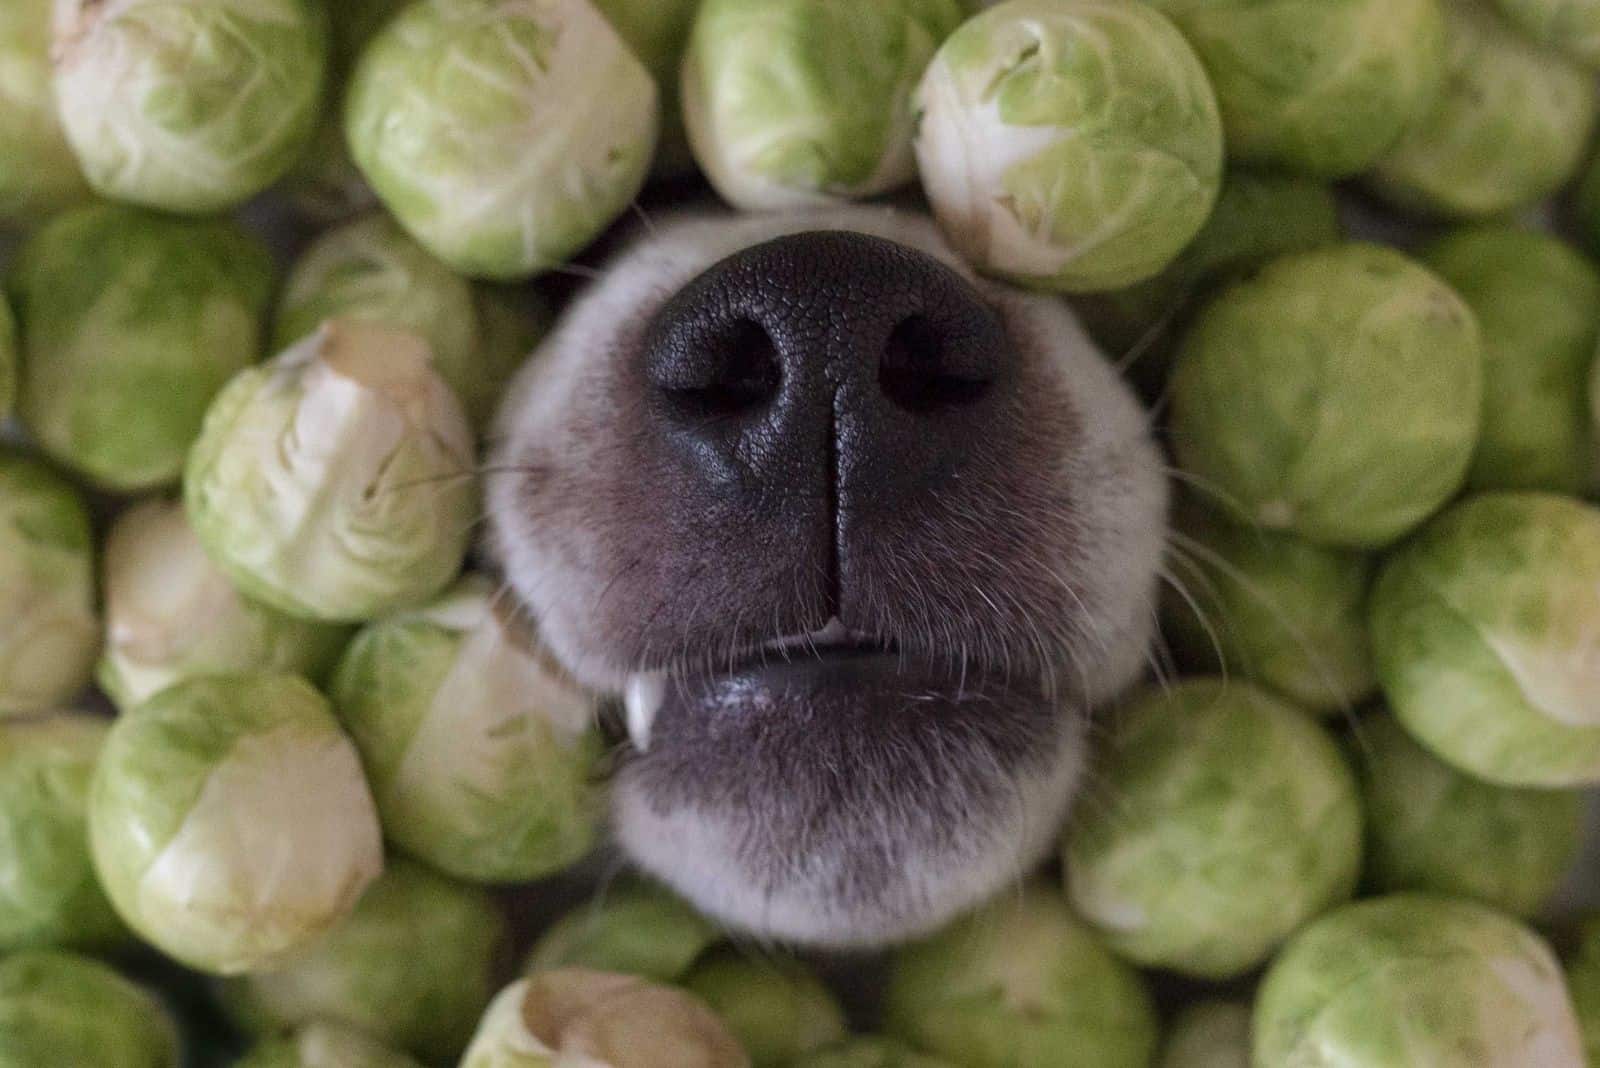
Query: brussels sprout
[
  {"x": 1336, "y": 394},
  {"x": 777, "y": 1009},
  {"x": 869, "y": 1053},
  {"x": 1429, "y": 827},
  {"x": 1271, "y": 607},
  {"x": 800, "y": 102},
  {"x": 190, "y": 106},
  {"x": 1323, "y": 88},
  {"x": 1069, "y": 144},
  {"x": 1583, "y": 980},
  {"x": 1508, "y": 130},
  {"x": 636, "y": 928},
  {"x": 658, "y": 33},
  {"x": 229, "y": 821},
  {"x": 504, "y": 135},
  {"x": 1486, "y": 631},
  {"x": 38, "y": 172},
  {"x": 64, "y": 1011},
  {"x": 511, "y": 324},
  {"x": 1569, "y": 26},
  {"x": 172, "y": 615},
  {"x": 366, "y": 972},
  {"x": 49, "y": 634},
  {"x": 131, "y": 322},
  {"x": 573, "y": 1016},
  {"x": 1537, "y": 302},
  {"x": 1234, "y": 820},
  {"x": 8, "y": 359},
  {"x": 322, "y": 1045},
  {"x": 1585, "y": 205},
  {"x": 48, "y": 892},
  {"x": 1021, "y": 981},
  {"x": 1413, "y": 979},
  {"x": 1211, "y": 1034},
  {"x": 482, "y": 752},
  {"x": 334, "y": 482}
]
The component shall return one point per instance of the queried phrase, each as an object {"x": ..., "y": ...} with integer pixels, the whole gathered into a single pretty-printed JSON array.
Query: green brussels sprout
[
  {"x": 1321, "y": 88},
  {"x": 576, "y": 1017},
  {"x": 1020, "y": 982},
  {"x": 65, "y": 1011},
  {"x": 1431, "y": 828},
  {"x": 171, "y": 614},
  {"x": 1568, "y": 26},
  {"x": 1537, "y": 302},
  {"x": 658, "y": 33},
  {"x": 323, "y": 1045},
  {"x": 8, "y": 359},
  {"x": 1486, "y": 631},
  {"x": 1336, "y": 394},
  {"x": 229, "y": 821},
  {"x": 365, "y": 973},
  {"x": 1210, "y": 1034},
  {"x": 503, "y": 135},
  {"x": 1272, "y": 607},
  {"x": 335, "y": 481},
  {"x": 1235, "y": 821},
  {"x": 1508, "y": 130},
  {"x": 188, "y": 106},
  {"x": 873, "y": 1052},
  {"x": 1413, "y": 979},
  {"x": 49, "y": 633},
  {"x": 636, "y": 928},
  {"x": 1069, "y": 145},
  {"x": 131, "y": 322},
  {"x": 48, "y": 892},
  {"x": 777, "y": 1009},
  {"x": 1583, "y": 981},
  {"x": 482, "y": 753},
  {"x": 38, "y": 172},
  {"x": 792, "y": 103}
]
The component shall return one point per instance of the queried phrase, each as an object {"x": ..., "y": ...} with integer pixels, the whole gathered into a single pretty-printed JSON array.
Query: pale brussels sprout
[
  {"x": 230, "y": 823},
  {"x": 1429, "y": 827},
  {"x": 1069, "y": 145},
  {"x": 335, "y": 481},
  {"x": 171, "y": 614},
  {"x": 414, "y": 965},
  {"x": 323, "y": 1045},
  {"x": 1537, "y": 302},
  {"x": 1271, "y": 607},
  {"x": 635, "y": 927},
  {"x": 482, "y": 752},
  {"x": 38, "y": 172},
  {"x": 1235, "y": 820},
  {"x": 1583, "y": 981},
  {"x": 1508, "y": 130},
  {"x": 1335, "y": 394},
  {"x": 1413, "y": 979},
  {"x": 658, "y": 33},
  {"x": 777, "y": 1009},
  {"x": 188, "y": 106},
  {"x": 1321, "y": 88},
  {"x": 791, "y": 103},
  {"x": 8, "y": 359},
  {"x": 59, "y": 1010},
  {"x": 572, "y": 1016},
  {"x": 503, "y": 135},
  {"x": 1569, "y": 26},
  {"x": 1486, "y": 631},
  {"x": 49, "y": 633},
  {"x": 869, "y": 1052},
  {"x": 48, "y": 892},
  {"x": 1021, "y": 983},
  {"x": 1210, "y": 1034},
  {"x": 131, "y": 322}
]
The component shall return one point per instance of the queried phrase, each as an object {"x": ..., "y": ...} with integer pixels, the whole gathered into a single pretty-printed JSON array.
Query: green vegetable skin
[
  {"x": 1071, "y": 146},
  {"x": 38, "y": 172},
  {"x": 657, "y": 31},
  {"x": 1537, "y": 302},
  {"x": 323, "y": 1045},
  {"x": 8, "y": 358},
  {"x": 131, "y": 322},
  {"x": 1233, "y": 821},
  {"x": 1410, "y": 979},
  {"x": 635, "y": 928},
  {"x": 778, "y": 1010},
  {"x": 1569, "y": 26},
  {"x": 189, "y": 106},
  {"x": 60, "y": 1009},
  {"x": 1336, "y": 393},
  {"x": 869, "y": 1053},
  {"x": 1583, "y": 980},
  {"x": 1209, "y": 1034}
]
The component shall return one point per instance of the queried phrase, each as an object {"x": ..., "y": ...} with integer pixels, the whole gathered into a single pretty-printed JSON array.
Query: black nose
[{"x": 826, "y": 362}]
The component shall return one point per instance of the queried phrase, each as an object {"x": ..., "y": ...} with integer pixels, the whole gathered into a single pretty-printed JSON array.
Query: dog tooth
[{"x": 642, "y": 698}]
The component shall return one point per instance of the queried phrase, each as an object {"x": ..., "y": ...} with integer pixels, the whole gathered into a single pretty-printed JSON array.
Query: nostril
[
  {"x": 922, "y": 371},
  {"x": 736, "y": 370}
]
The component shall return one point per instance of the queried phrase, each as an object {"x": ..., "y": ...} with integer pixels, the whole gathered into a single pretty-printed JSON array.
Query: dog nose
[{"x": 825, "y": 361}]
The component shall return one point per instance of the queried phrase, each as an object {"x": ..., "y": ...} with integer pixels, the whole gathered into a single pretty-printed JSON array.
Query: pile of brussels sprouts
[{"x": 241, "y": 492}]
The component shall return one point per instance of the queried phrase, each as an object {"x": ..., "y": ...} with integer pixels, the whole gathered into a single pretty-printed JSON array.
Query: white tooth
[
  {"x": 642, "y": 698},
  {"x": 832, "y": 634}
]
